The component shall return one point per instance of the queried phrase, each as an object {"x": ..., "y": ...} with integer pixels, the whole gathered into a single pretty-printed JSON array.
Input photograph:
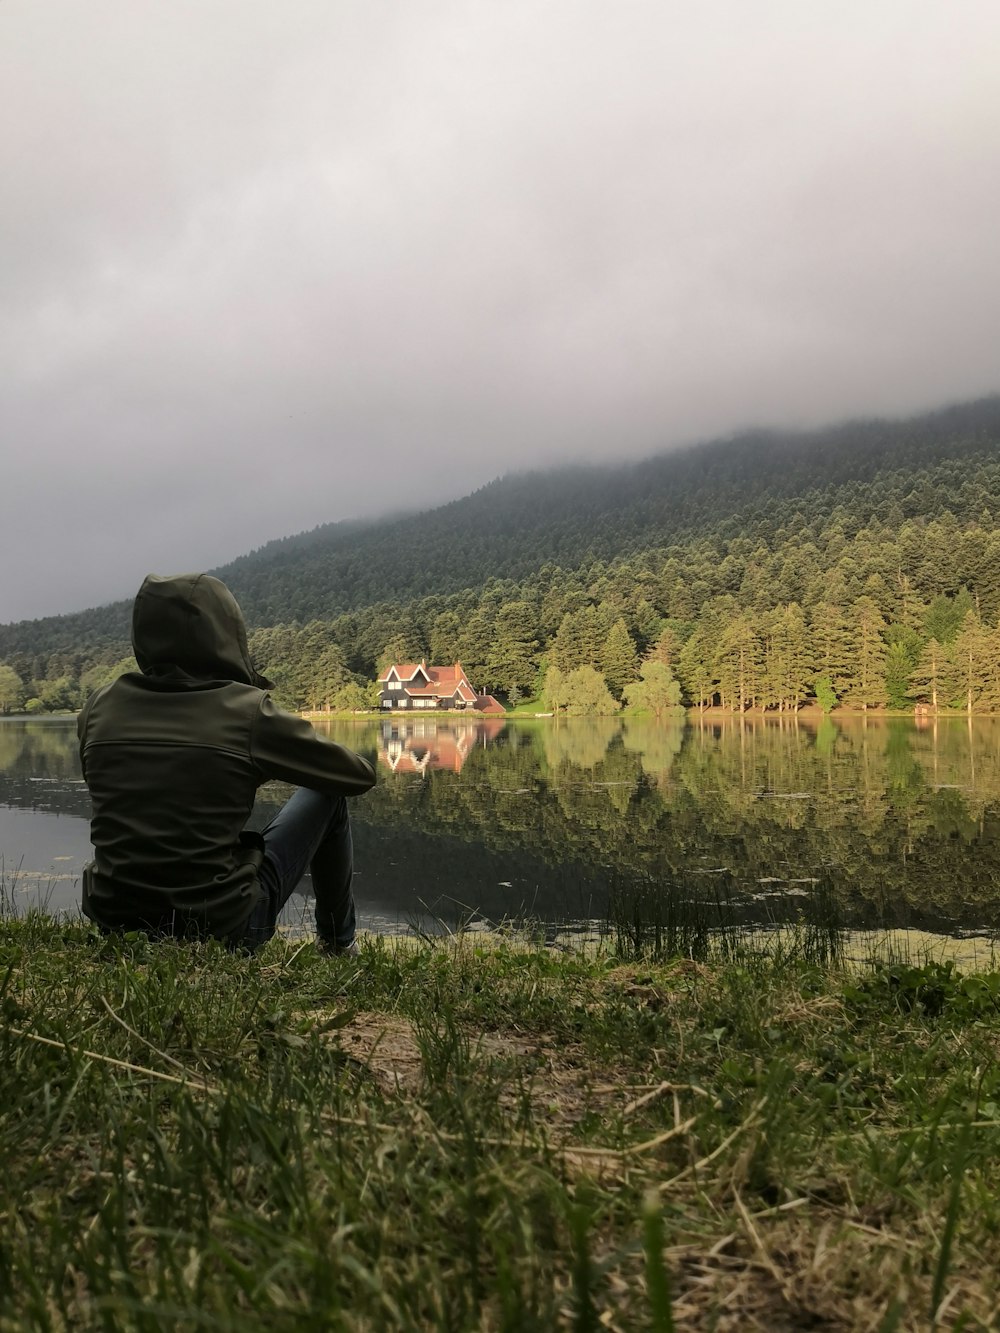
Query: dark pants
[{"x": 311, "y": 832}]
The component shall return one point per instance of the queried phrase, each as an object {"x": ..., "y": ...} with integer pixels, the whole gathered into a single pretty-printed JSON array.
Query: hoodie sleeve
[{"x": 287, "y": 748}]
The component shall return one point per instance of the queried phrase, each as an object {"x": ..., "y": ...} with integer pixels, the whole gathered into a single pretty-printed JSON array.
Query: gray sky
[{"x": 270, "y": 263}]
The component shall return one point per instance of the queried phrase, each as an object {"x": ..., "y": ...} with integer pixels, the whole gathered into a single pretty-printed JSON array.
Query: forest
[{"x": 856, "y": 568}]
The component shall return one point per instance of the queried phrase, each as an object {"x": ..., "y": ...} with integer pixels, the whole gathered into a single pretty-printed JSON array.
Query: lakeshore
[{"x": 482, "y": 1133}]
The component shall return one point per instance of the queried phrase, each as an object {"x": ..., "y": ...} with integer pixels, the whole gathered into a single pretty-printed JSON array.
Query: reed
[{"x": 662, "y": 915}]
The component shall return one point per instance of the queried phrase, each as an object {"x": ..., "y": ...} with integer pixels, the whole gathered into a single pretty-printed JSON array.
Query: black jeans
[{"x": 310, "y": 831}]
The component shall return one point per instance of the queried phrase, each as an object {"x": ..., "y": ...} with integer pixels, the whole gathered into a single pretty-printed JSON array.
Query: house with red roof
[{"x": 413, "y": 685}]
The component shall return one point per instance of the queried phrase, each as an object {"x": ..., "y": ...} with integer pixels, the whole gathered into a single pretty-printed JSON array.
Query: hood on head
[{"x": 191, "y": 622}]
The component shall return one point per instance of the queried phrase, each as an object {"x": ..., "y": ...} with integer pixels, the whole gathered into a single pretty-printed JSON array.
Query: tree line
[{"x": 612, "y": 647}]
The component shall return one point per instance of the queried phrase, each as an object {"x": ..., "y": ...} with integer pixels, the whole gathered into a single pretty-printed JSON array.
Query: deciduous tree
[
  {"x": 351, "y": 698},
  {"x": 11, "y": 689},
  {"x": 587, "y": 692},
  {"x": 554, "y": 693},
  {"x": 656, "y": 689}
]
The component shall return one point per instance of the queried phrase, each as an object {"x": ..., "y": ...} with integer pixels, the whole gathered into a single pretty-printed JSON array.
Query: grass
[{"x": 481, "y": 1135}]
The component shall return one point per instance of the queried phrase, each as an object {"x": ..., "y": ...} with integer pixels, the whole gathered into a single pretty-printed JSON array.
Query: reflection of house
[
  {"x": 415, "y": 747},
  {"x": 417, "y": 685}
]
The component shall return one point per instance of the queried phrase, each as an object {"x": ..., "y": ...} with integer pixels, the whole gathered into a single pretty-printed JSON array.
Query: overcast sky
[{"x": 270, "y": 263}]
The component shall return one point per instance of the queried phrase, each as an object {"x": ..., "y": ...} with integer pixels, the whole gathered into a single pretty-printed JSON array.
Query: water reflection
[
  {"x": 417, "y": 747},
  {"x": 896, "y": 820}
]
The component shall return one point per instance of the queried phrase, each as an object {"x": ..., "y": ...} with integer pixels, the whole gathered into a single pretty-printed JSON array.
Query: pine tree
[
  {"x": 909, "y": 610},
  {"x": 666, "y": 647},
  {"x": 328, "y": 674},
  {"x": 619, "y": 660},
  {"x": 696, "y": 676},
  {"x": 928, "y": 678},
  {"x": 399, "y": 649},
  {"x": 972, "y": 657},
  {"x": 511, "y": 663},
  {"x": 902, "y": 653},
  {"x": 788, "y": 667},
  {"x": 991, "y": 694},
  {"x": 446, "y": 631},
  {"x": 865, "y": 683},
  {"x": 739, "y": 661},
  {"x": 831, "y": 643},
  {"x": 946, "y": 615},
  {"x": 474, "y": 645},
  {"x": 647, "y": 623},
  {"x": 577, "y": 641}
]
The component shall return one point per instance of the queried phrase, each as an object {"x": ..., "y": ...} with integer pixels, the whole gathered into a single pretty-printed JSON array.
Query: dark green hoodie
[{"x": 173, "y": 757}]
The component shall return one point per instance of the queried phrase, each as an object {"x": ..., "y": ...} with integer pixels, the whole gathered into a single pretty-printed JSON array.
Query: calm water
[{"x": 899, "y": 824}]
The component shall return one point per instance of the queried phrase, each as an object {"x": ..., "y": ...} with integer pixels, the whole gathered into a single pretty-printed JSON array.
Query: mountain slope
[
  {"x": 512, "y": 527},
  {"x": 724, "y": 491}
]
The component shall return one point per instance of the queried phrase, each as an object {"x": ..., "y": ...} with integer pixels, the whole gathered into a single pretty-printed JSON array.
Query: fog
[{"x": 266, "y": 266}]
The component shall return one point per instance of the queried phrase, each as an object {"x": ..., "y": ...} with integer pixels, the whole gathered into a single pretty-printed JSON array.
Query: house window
[{"x": 395, "y": 685}]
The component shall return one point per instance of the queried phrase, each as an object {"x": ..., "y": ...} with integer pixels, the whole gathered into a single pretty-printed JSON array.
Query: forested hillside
[{"x": 859, "y": 566}]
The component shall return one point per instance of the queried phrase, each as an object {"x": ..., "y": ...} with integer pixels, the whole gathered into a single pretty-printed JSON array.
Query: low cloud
[{"x": 268, "y": 266}]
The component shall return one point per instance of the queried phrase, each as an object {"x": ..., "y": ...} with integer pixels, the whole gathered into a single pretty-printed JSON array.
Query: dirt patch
[
  {"x": 386, "y": 1046},
  {"x": 559, "y": 1085}
]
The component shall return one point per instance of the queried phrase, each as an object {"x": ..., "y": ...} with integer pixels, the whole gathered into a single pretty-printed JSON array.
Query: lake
[{"x": 887, "y": 822}]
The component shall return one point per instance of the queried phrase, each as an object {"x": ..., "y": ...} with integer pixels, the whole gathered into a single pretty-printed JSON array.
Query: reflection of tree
[
  {"x": 657, "y": 743},
  {"x": 581, "y": 743},
  {"x": 907, "y": 786},
  {"x": 40, "y": 749},
  {"x": 889, "y": 813},
  {"x": 40, "y": 767},
  {"x": 11, "y": 745}
]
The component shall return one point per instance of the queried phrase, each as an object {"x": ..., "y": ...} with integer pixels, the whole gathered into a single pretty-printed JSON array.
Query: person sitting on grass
[{"x": 173, "y": 755}]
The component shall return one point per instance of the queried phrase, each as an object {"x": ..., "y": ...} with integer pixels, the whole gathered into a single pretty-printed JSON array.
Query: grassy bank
[{"x": 470, "y": 1136}]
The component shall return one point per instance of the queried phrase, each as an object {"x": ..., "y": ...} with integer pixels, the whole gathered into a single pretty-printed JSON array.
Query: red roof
[
  {"x": 405, "y": 670},
  {"x": 442, "y": 680},
  {"x": 449, "y": 675},
  {"x": 487, "y": 704}
]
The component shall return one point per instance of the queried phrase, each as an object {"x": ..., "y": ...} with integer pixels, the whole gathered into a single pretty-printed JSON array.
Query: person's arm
[{"x": 287, "y": 748}]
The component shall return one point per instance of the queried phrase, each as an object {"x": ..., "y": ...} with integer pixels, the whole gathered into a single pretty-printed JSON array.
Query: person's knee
[
  {"x": 340, "y": 818},
  {"x": 334, "y": 807}
]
